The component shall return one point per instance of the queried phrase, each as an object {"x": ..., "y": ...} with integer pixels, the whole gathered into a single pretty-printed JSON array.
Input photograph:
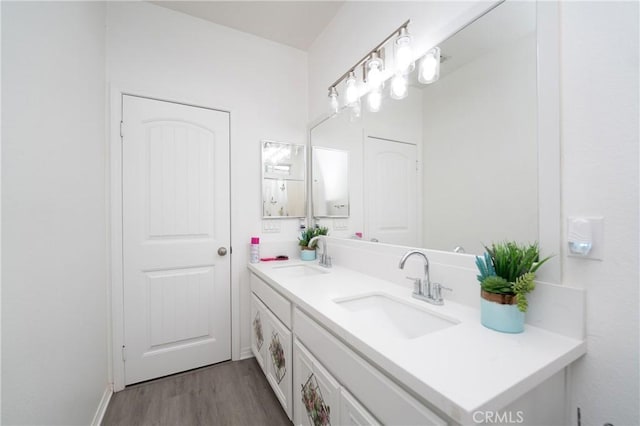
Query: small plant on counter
[
  {"x": 509, "y": 269},
  {"x": 308, "y": 234}
]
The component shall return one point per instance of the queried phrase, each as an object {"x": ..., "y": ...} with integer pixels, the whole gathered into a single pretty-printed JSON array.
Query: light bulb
[
  {"x": 333, "y": 101},
  {"x": 402, "y": 53},
  {"x": 374, "y": 100},
  {"x": 374, "y": 76},
  {"x": 399, "y": 87},
  {"x": 351, "y": 89},
  {"x": 374, "y": 71},
  {"x": 430, "y": 66}
]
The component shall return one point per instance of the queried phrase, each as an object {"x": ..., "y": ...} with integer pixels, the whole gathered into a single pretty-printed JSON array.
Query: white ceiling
[{"x": 294, "y": 23}]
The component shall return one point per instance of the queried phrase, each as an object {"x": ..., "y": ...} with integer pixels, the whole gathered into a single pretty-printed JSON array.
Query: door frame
[{"x": 114, "y": 213}]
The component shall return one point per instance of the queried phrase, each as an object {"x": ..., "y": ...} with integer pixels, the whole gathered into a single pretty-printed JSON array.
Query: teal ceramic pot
[
  {"x": 500, "y": 312},
  {"x": 307, "y": 254}
]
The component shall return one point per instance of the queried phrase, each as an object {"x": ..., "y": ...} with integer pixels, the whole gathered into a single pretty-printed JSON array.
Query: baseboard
[
  {"x": 102, "y": 407},
  {"x": 246, "y": 353}
]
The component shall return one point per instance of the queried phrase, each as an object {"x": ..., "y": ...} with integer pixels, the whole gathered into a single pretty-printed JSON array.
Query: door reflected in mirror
[
  {"x": 330, "y": 182},
  {"x": 283, "y": 180},
  {"x": 474, "y": 133}
]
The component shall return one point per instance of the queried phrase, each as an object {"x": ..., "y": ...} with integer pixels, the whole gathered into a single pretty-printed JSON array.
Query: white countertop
[{"x": 460, "y": 369}]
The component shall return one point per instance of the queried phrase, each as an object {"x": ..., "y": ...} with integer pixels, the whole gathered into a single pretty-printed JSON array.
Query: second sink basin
[
  {"x": 298, "y": 270},
  {"x": 394, "y": 317}
]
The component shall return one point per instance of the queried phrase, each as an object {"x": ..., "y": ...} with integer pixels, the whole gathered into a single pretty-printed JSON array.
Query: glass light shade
[
  {"x": 351, "y": 89},
  {"x": 333, "y": 101},
  {"x": 374, "y": 71},
  {"x": 430, "y": 66},
  {"x": 399, "y": 87},
  {"x": 355, "y": 112},
  {"x": 374, "y": 100},
  {"x": 403, "y": 55}
]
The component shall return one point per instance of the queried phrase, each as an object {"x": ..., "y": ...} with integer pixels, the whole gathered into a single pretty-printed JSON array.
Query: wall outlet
[{"x": 270, "y": 226}]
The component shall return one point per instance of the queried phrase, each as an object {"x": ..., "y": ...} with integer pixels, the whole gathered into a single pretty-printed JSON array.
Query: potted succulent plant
[
  {"x": 308, "y": 252},
  {"x": 507, "y": 271}
]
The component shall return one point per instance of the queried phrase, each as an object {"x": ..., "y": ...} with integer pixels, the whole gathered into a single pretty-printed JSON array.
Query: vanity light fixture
[
  {"x": 373, "y": 71},
  {"x": 430, "y": 67}
]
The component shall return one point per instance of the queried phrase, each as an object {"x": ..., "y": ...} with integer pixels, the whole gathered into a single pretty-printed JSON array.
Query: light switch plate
[
  {"x": 597, "y": 237},
  {"x": 270, "y": 226},
  {"x": 340, "y": 224}
]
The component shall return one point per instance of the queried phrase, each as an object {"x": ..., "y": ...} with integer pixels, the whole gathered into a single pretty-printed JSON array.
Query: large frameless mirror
[
  {"x": 330, "y": 182},
  {"x": 455, "y": 163},
  {"x": 283, "y": 180}
]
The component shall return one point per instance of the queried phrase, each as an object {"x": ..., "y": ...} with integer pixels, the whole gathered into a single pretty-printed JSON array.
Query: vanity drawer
[
  {"x": 280, "y": 306},
  {"x": 383, "y": 398}
]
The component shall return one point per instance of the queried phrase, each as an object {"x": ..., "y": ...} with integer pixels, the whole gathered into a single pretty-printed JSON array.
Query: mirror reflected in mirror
[
  {"x": 283, "y": 180},
  {"x": 330, "y": 182},
  {"x": 455, "y": 163}
]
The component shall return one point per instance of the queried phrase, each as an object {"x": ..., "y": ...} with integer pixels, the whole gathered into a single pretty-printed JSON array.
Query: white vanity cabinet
[{"x": 271, "y": 339}]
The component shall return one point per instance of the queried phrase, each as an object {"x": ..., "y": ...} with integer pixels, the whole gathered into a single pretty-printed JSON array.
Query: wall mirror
[
  {"x": 455, "y": 163},
  {"x": 329, "y": 182},
  {"x": 283, "y": 180}
]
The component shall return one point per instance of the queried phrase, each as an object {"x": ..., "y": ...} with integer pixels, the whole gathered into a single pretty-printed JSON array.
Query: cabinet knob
[{"x": 222, "y": 251}]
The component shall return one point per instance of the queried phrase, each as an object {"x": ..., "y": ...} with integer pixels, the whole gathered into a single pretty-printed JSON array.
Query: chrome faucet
[
  {"x": 325, "y": 259},
  {"x": 423, "y": 289}
]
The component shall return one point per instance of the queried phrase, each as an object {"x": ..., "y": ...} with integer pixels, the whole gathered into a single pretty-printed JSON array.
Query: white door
[
  {"x": 391, "y": 192},
  {"x": 175, "y": 174}
]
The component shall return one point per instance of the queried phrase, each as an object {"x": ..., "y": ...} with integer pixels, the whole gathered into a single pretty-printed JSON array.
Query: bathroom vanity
[{"x": 344, "y": 347}]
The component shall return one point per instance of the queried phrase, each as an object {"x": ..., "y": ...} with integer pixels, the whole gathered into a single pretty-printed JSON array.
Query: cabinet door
[
  {"x": 278, "y": 361},
  {"x": 352, "y": 413},
  {"x": 258, "y": 332},
  {"x": 316, "y": 392}
]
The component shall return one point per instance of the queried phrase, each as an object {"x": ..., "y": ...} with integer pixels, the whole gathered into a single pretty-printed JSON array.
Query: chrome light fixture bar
[
  {"x": 376, "y": 65},
  {"x": 374, "y": 74}
]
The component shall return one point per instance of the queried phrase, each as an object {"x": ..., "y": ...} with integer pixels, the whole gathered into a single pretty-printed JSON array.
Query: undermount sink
[
  {"x": 394, "y": 317},
  {"x": 299, "y": 270}
]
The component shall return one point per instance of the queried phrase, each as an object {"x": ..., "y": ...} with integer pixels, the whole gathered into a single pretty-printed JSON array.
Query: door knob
[{"x": 222, "y": 251}]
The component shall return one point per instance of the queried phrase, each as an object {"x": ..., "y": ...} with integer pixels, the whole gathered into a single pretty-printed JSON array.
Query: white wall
[
  {"x": 475, "y": 198},
  {"x": 599, "y": 169},
  {"x": 600, "y": 177},
  {"x": 54, "y": 312},
  {"x": 262, "y": 83}
]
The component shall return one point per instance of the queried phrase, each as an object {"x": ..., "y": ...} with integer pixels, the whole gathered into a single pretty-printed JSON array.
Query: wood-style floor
[{"x": 230, "y": 393}]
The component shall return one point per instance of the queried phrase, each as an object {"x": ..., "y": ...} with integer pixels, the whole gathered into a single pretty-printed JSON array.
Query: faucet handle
[
  {"x": 416, "y": 284},
  {"x": 437, "y": 290}
]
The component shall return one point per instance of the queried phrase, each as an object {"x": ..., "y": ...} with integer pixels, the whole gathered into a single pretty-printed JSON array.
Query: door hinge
[
  {"x": 121, "y": 129},
  {"x": 124, "y": 353},
  {"x": 417, "y": 166}
]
